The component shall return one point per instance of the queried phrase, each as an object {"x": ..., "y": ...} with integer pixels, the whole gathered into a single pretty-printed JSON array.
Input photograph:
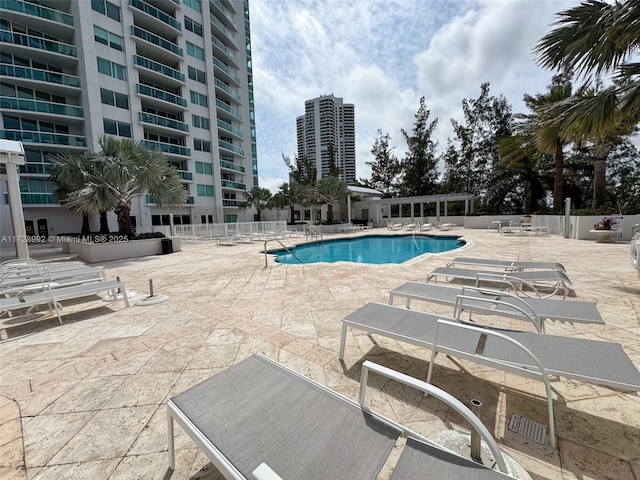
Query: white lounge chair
[
  {"x": 527, "y": 354},
  {"x": 507, "y": 265},
  {"x": 260, "y": 420}
]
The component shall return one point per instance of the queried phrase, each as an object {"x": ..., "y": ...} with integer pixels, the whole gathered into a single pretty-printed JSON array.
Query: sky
[{"x": 382, "y": 56}]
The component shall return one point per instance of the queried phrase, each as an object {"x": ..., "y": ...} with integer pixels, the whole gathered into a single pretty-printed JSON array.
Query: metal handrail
[
  {"x": 266, "y": 261},
  {"x": 310, "y": 230}
]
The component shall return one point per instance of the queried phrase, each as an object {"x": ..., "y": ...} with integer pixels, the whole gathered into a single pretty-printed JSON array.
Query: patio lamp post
[{"x": 12, "y": 155}]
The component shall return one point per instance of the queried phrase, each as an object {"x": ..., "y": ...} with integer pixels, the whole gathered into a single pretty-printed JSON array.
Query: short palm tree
[
  {"x": 122, "y": 170},
  {"x": 330, "y": 190},
  {"x": 259, "y": 198}
]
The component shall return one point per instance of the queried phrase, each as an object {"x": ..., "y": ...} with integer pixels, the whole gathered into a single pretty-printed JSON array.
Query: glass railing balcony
[
  {"x": 36, "y": 168},
  {"x": 27, "y": 136},
  {"x": 155, "y": 13},
  {"x": 228, "y": 109},
  {"x": 156, "y": 40},
  {"x": 37, "y": 11},
  {"x": 223, "y": 10},
  {"x": 185, "y": 175},
  {"x": 34, "y": 199},
  {"x": 232, "y": 203},
  {"x": 236, "y": 185},
  {"x": 224, "y": 48},
  {"x": 229, "y": 128},
  {"x": 231, "y": 147},
  {"x": 39, "y": 106},
  {"x": 226, "y": 32},
  {"x": 227, "y": 89},
  {"x": 37, "y": 42},
  {"x": 158, "y": 67},
  {"x": 163, "y": 121},
  {"x": 151, "y": 200},
  {"x": 39, "y": 75},
  {"x": 168, "y": 148},
  {"x": 161, "y": 95},
  {"x": 231, "y": 166},
  {"x": 226, "y": 70}
]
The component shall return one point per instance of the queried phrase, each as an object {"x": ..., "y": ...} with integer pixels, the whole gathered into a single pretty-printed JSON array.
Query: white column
[
  {"x": 12, "y": 155},
  {"x": 348, "y": 208}
]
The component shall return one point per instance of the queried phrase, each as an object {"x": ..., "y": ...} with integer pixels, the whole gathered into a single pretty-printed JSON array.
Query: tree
[
  {"x": 420, "y": 174},
  {"x": 329, "y": 191},
  {"x": 259, "y": 198},
  {"x": 279, "y": 201},
  {"x": 385, "y": 167},
  {"x": 295, "y": 194},
  {"x": 122, "y": 170},
  {"x": 301, "y": 170},
  {"x": 334, "y": 171}
]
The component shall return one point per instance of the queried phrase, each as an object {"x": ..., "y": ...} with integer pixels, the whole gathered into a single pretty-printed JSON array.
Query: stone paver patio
[{"x": 86, "y": 399}]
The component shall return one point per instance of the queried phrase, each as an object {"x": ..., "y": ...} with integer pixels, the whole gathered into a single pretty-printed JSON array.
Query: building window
[
  {"x": 231, "y": 218},
  {"x": 112, "y": 69},
  {"x": 119, "y": 100},
  {"x": 107, "y": 38},
  {"x": 205, "y": 168},
  {"x": 205, "y": 190},
  {"x": 195, "y": 51},
  {"x": 200, "y": 122},
  {"x": 195, "y": 4},
  {"x": 193, "y": 26},
  {"x": 201, "y": 145},
  {"x": 197, "y": 75},
  {"x": 106, "y": 8},
  {"x": 120, "y": 129},
  {"x": 199, "y": 99}
]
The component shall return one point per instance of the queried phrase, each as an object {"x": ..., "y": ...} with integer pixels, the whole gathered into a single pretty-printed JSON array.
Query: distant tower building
[{"x": 328, "y": 121}]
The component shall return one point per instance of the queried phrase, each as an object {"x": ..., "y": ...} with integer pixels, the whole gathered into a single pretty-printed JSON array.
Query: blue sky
[{"x": 382, "y": 56}]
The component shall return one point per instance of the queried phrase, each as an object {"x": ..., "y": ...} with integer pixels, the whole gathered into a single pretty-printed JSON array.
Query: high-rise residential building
[
  {"x": 174, "y": 74},
  {"x": 327, "y": 121}
]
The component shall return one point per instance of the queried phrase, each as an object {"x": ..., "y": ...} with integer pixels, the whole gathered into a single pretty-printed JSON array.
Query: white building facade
[
  {"x": 327, "y": 120},
  {"x": 174, "y": 74}
]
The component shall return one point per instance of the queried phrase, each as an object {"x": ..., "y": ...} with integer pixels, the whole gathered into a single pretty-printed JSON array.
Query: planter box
[{"x": 105, "y": 252}]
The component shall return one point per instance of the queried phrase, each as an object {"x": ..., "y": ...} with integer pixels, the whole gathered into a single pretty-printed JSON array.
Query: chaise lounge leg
[
  {"x": 172, "y": 456},
  {"x": 343, "y": 341}
]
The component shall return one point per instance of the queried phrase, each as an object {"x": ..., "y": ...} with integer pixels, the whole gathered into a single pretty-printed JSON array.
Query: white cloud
[{"x": 382, "y": 56}]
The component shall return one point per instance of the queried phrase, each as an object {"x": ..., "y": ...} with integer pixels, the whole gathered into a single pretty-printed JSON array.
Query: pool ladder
[
  {"x": 266, "y": 261},
  {"x": 311, "y": 231}
]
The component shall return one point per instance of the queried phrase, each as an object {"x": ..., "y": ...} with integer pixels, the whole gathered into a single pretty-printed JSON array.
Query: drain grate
[{"x": 528, "y": 428}]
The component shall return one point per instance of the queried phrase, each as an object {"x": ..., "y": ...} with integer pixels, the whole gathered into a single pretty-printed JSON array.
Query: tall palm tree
[
  {"x": 122, "y": 170},
  {"x": 259, "y": 198}
]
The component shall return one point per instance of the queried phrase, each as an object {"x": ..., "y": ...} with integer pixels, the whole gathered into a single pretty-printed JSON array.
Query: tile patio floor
[{"x": 86, "y": 400}]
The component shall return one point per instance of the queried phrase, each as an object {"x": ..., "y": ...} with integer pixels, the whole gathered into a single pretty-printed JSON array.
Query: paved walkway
[{"x": 87, "y": 399}]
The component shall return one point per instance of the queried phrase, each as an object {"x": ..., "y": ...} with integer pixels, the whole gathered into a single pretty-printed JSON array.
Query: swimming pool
[{"x": 374, "y": 249}]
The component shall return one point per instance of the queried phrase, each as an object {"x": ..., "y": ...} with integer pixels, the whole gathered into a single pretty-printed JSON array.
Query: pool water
[{"x": 375, "y": 249}]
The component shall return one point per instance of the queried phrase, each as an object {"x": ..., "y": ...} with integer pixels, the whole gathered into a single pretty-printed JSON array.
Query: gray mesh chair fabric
[
  {"x": 590, "y": 361},
  {"x": 258, "y": 411},
  {"x": 420, "y": 461},
  {"x": 507, "y": 264},
  {"x": 545, "y": 308}
]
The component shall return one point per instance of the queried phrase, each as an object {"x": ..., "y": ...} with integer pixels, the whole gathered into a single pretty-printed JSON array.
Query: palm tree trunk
[
  {"x": 330, "y": 212},
  {"x": 600, "y": 175},
  {"x": 558, "y": 181},
  {"x": 104, "y": 223},
  {"x": 291, "y": 210},
  {"x": 86, "y": 229},
  {"x": 124, "y": 219}
]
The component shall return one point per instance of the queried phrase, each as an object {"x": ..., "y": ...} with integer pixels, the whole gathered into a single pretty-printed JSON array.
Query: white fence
[{"x": 216, "y": 230}]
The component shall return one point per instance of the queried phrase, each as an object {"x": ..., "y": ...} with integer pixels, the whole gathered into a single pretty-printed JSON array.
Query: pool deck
[{"x": 86, "y": 399}]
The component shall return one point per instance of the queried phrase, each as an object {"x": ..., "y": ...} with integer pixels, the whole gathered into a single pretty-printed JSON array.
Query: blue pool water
[{"x": 375, "y": 249}]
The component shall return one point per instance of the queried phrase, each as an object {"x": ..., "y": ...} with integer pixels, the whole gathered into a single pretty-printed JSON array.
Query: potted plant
[{"x": 605, "y": 224}]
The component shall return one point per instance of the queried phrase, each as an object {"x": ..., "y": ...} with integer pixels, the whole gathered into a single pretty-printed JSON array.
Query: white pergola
[
  {"x": 12, "y": 155},
  {"x": 360, "y": 191},
  {"x": 421, "y": 200}
]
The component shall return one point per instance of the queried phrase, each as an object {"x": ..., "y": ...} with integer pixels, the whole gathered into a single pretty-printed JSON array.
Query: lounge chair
[
  {"x": 530, "y": 355},
  {"x": 508, "y": 265},
  {"x": 258, "y": 419},
  {"x": 37, "y": 274},
  {"x": 549, "y": 281},
  {"x": 494, "y": 302}
]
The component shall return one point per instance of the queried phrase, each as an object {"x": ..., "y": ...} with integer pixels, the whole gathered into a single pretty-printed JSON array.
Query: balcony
[
  {"x": 165, "y": 97},
  {"x": 36, "y": 169},
  {"x": 158, "y": 67},
  {"x": 185, "y": 175},
  {"x": 168, "y": 148},
  {"x": 231, "y": 147},
  {"x": 231, "y": 166},
  {"x": 38, "y": 106},
  {"x": 231, "y": 111},
  {"x": 220, "y": 85},
  {"x": 229, "y": 128},
  {"x": 222, "y": 48},
  {"x": 56, "y": 23},
  {"x": 35, "y": 199},
  {"x": 157, "y": 15},
  {"x": 232, "y": 203},
  {"x": 162, "y": 122},
  {"x": 151, "y": 200},
  {"x": 156, "y": 40},
  {"x": 64, "y": 54},
  {"x": 217, "y": 25},
  {"x": 59, "y": 82},
  {"x": 225, "y": 13},
  {"x": 28, "y": 136},
  {"x": 226, "y": 70},
  {"x": 234, "y": 185}
]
